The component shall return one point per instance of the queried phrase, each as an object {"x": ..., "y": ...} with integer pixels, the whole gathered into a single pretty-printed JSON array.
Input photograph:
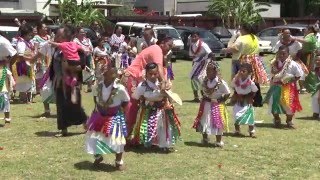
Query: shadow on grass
[
  {"x": 2, "y": 125},
  {"x": 42, "y": 115},
  {"x": 198, "y": 144},
  {"x": 310, "y": 118},
  {"x": 231, "y": 134},
  {"x": 53, "y": 134},
  {"x": 87, "y": 165},
  {"x": 140, "y": 149},
  {"x": 265, "y": 125},
  {"x": 190, "y": 101}
]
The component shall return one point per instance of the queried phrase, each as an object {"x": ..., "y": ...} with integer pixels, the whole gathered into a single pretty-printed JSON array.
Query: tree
[
  {"x": 239, "y": 11},
  {"x": 78, "y": 14}
]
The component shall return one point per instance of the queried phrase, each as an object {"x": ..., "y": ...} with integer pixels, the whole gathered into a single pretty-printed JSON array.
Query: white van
[
  {"x": 135, "y": 29},
  {"x": 9, "y": 31}
]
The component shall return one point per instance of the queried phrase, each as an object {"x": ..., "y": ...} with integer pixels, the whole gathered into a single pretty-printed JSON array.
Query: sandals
[
  {"x": 119, "y": 165},
  {"x": 98, "y": 160},
  {"x": 277, "y": 123},
  {"x": 290, "y": 125}
]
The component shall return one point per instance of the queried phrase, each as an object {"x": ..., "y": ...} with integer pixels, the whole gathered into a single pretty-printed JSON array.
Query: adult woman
[
  {"x": 43, "y": 62},
  {"x": 22, "y": 70},
  {"x": 68, "y": 113},
  {"x": 134, "y": 73},
  {"x": 117, "y": 39},
  {"x": 85, "y": 42},
  {"x": 309, "y": 47},
  {"x": 247, "y": 46}
]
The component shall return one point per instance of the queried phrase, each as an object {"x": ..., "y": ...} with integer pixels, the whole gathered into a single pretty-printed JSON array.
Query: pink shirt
[
  {"x": 70, "y": 50},
  {"x": 150, "y": 54}
]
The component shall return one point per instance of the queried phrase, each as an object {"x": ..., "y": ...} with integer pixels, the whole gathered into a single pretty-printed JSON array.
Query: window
[
  {"x": 167, "y": 13},
  {"x": 169, "y": 32},
  {"x": 136, "y": 31},
  {"x": 269, "y": 32},
  {"x": 161, "y": 13},
  {"x": 296, "y": 32}
]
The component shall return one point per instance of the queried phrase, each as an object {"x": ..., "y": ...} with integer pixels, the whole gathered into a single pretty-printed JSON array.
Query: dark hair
[
  {"x": 25, "y": 30},
  {"x": 127, "y": 38},
  {"x": 151, "y": 66},
  {"x": 69, "y": 32},
  {"x": 195, "y": 33},
  {"x": 79, "y": 28},
  {"x": 163, "y": 38},
  {"x": 39, "y": 25},
  {"x": 101, "y": 40},
  {"x": 284, "y": 47},
  {"x": 149, "y": 30},
  {"x": 312, "y": 29},
  {"x": 249, "y": 29},
  {"x": 246, "y": 66}
]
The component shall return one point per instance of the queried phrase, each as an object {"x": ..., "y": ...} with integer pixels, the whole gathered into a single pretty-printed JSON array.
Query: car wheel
[{"x": 261, "y": 54}]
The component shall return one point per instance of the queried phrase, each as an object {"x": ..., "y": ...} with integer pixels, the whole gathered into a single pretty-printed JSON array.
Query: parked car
[
  {"x": 135, "y": 29},
  {"x": 264, "y": 47},
  {"x": 213, "y": 42},
  {"x": 272, "y": 34},
  {"x": 223, "y": 34},
  {"x": 9, "y": 31}
]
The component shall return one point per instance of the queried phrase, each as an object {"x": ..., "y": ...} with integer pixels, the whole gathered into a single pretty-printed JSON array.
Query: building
[
  {"x": 32, "y": 6},
  {"x": 172, "y": 7}
]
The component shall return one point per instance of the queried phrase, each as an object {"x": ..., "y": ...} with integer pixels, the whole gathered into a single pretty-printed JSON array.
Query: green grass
[{"x": 30, "y": 151}]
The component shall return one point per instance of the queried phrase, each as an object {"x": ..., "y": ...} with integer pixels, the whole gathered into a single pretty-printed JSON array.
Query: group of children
[{"x": 157, "y": 123}]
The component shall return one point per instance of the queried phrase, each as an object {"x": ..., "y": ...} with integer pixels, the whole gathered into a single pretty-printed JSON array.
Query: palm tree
[
  {"x": 78, "y": 14},
  {"x": 240, "y": 11}
]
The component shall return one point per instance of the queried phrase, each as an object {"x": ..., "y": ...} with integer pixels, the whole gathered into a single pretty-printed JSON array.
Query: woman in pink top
[
  {"x": 71, "y": 64},
  {"x": 133, "y": 75}
]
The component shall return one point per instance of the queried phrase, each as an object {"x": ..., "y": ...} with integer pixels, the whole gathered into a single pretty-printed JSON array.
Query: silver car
[{"x": 272, "y": 34}]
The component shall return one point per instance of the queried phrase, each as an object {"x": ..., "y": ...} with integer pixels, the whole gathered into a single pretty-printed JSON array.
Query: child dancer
[
  {"x": 107, "y": 125},
  {"x": 245, "y": 89},
  {"x": 6, "y": 79},
  {"x": 283, "y": 96},
  {"x": 157, "y": 124},
  {"x": 212, "y": 116}
]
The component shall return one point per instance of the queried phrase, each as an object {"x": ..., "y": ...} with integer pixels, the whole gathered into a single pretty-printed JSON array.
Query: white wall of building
[{"x": 273, "y": 12}]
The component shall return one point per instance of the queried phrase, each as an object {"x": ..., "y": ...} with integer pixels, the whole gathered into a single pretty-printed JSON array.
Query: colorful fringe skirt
[
  {"x": 106, "y": 131},
  {"x": 283, "y": 99},
  {"x": 243, "y": 114},
  {"x": 212, "y": 118},
  {"x": 157, "y": 126},
  {"x": 259, "y": 70}
]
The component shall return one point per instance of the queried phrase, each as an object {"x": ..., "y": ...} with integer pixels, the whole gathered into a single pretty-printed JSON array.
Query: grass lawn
[{"x": 29, "y": 149}]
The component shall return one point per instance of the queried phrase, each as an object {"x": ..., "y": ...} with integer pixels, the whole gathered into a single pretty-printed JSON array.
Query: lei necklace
[
  {"x": 114, "y": 91},
  {"x": 198, "y": 48},
  {"x": 281, "y": 70},
  {"x": 244, "y": 84},
  {"x": 208, "y": 90}
]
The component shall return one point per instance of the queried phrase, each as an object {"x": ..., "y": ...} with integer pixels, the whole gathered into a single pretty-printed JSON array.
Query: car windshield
[
  {"x": 169, "y": 32},
  {"x": 221, "y": 31},
  {"x": 207, "y": 35}
]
